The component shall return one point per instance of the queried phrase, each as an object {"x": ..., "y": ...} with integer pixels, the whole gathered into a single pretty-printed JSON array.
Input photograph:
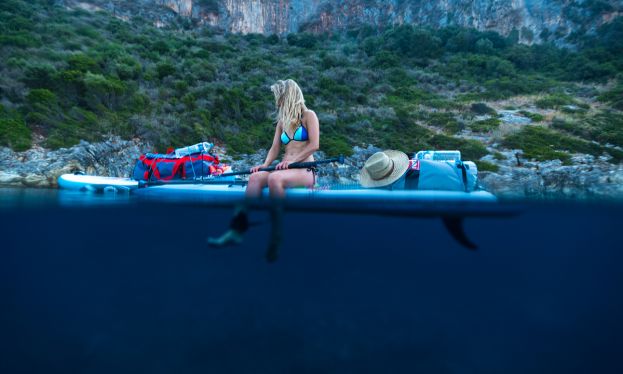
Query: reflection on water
[
  {"x": 39, "y": 197},
  {"x": 127, "y": 286}
]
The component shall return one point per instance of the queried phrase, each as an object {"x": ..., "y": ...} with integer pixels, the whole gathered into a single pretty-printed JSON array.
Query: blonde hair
[{"x": 290, "y": 103}]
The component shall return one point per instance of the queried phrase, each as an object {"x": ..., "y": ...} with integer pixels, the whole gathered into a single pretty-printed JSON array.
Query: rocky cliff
[{"x": 530, "y": 20}]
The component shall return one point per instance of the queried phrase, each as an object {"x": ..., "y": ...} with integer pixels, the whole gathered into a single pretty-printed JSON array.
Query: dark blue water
[{"x": 125, "y": 286}]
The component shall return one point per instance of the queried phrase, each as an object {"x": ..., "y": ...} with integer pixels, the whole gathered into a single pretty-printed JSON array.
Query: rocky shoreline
[
  {"x": 40, "y": 167},
  {"x": 587, "y": 177}
]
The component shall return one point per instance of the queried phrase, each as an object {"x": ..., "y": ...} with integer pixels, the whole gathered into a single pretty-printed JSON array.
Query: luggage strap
[{"x": 459, "y": 164}]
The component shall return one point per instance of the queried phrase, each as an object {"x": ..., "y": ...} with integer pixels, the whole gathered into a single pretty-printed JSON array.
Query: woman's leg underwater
[
  {"x": 278, "y": 181},
  {"x": 239, "y": 224}
]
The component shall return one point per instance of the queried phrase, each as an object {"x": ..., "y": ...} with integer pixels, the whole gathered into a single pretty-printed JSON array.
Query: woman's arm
[
  {"x": 273, "y": 152},
  {"x": 313, "y": 144}
]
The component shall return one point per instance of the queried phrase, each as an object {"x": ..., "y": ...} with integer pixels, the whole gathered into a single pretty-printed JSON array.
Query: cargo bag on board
[
  {"x": 439, "y": 171},
  {"x": 177, "y": 165}
]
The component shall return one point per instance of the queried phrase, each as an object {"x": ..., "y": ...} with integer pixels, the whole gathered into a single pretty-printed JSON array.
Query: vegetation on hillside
[{"x": 72, "y": 74}]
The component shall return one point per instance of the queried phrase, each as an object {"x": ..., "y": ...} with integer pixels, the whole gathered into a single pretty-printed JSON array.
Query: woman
[{"x": 298, "y": 130}]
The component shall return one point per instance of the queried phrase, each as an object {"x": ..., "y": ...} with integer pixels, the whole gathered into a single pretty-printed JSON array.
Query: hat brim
[{"x": 401, "y": 164}]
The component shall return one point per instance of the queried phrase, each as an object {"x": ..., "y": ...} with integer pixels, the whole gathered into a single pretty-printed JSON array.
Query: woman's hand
[
  {"x": 282, "y": 165},
  {"x": 255, "y": 169}
]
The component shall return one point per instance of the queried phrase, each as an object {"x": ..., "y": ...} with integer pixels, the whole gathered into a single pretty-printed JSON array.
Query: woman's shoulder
[{"x": 308, "y": 113}]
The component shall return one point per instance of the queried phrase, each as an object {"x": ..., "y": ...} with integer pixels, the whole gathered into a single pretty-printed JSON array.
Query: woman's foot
[{"x": 230, "y": 237}]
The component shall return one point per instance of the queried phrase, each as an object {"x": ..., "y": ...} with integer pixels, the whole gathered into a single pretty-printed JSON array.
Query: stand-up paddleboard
[
  {"x": 451, "y": 206},
  {"x": 81, "y": 182},
  {"x": 324, "y": 198}
]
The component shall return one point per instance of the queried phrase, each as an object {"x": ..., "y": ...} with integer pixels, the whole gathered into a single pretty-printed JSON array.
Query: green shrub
[
  {"x": 89, "y": 32},
  {"x": 510, "y": 86},
  {"x": 477, "y": 67},
  {"x": 385, "y": 60},
  {"x": 161, "y": 47},
  {"x": 446, "y": 121},
  {"x": 17, "y": 23},
  {"x": 541, "y": 144},
  {"x": 613, "y": 97},
  {"x": 334, "y": 146},
  {"x": 555, "y": 101},
  {"x": 20, "y": 40},
  {"x": 329, "y": 88},
  {"x": 303, "y": 40},
  {"x": 43, "y": 109},
  {"x": 127, "y": 68},
  {"x": 140, "y": 103},
  {"x": 410, "y": 41},
  {"x": 272, "y": 39},
  {"x": 13, "y": 131},
  {"x": 39, "y": 75},
  {"x": 486, "y": 166},
  {"x": 485, "y": 125},
  {"x": 103, "y": 91},
  {"x": 580, "y": 67},
  {"x": 485, "y": 46},
  {"x": 604, "y": 127},
  {"x": 535, "y": 144},
  {"x": 82, "y": 63},
  {"x": 482, "y": 108},
  {"x": 42, "y": 97},
  {"x": 165, "y": 69},
  {"x": 401, "y": 135},
  {"x": 536, "y": 117}
]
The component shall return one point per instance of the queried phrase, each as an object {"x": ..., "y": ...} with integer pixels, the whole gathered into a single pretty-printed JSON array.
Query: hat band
[{"x": 391, "y": 169}]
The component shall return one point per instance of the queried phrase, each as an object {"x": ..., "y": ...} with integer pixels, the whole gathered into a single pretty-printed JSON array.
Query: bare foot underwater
[
  {"x": 234, "y": 236},
  {"x": 240, "y": 224}
]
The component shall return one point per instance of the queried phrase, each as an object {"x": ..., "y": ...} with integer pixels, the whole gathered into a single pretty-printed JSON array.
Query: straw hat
[{"x": 383, "y": 168}]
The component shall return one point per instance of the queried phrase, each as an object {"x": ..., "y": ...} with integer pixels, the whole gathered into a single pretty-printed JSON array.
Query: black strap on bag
[{"x": 461, "y": 165}]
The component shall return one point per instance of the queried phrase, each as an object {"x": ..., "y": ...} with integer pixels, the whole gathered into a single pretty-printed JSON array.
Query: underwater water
[{"x": 101, "y": 284}]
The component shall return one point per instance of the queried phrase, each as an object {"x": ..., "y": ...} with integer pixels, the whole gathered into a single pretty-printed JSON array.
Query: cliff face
[{"x": 533, "y": 20}]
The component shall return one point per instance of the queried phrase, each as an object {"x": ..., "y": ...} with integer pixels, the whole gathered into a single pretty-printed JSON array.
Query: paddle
[
  {"x": 294, "y": 165},
  {"x": 214, "y": 179}
]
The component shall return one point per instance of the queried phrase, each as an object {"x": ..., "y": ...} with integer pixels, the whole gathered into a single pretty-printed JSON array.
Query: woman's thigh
[
  {"x": 293, "y": 177},
  {"x": 260, "y": 178}
]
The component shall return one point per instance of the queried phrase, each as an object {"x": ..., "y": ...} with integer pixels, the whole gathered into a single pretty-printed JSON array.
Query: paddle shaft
[
  {"x": 295, "y": 165},
  {"x": 215, "y": 178}
]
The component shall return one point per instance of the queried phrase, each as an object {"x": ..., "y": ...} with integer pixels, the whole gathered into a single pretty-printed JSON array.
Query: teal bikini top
[{"x": 300, "y": 135}]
